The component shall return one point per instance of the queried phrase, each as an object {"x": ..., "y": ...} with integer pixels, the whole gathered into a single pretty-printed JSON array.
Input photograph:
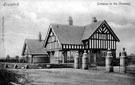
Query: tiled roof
[
  {"x": 71, "y": 34},
  {"x": 34, "y": 46},
  {"x": 68, "y": 34}
]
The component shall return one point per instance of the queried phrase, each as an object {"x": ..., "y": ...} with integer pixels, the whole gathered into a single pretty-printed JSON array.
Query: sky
[{"x": 24, "y": 19}]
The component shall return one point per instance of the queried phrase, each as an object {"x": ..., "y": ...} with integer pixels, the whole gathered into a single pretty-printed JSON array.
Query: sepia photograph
[{"x": 67, "y": 42}]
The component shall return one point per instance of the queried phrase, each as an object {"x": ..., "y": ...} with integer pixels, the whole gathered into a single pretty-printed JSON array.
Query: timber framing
[{"x": 96, "y": 37}]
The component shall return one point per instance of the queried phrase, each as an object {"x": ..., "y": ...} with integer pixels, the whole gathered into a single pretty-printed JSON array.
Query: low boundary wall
[{"x": 34, "y": 65}]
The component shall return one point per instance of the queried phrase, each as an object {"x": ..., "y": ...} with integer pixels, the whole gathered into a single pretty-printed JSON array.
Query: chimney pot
[
  {"x": 40, "y": 36},
  {"x": 70, "y": 20},
  {"x": 94, "y": 19}
]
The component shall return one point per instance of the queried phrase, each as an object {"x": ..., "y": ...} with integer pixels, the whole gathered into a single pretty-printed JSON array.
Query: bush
[
  {"x": 7, "y": 76},
  {"x": 2, "y": 60}
]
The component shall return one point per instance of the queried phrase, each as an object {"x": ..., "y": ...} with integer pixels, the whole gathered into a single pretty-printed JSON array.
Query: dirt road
[{"x": 69, "y": 76}]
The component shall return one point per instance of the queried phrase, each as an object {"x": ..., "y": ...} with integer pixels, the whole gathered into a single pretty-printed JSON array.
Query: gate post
[
  {"x": 76, "y": 61},
  {"x": 123, "y": 61},
  {"x": 85, "y": 61},
  {"x": 109, "y": 61}
]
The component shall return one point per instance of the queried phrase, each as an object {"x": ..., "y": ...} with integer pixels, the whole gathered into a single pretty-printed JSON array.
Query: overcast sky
[{"x": 33, "y": 16}]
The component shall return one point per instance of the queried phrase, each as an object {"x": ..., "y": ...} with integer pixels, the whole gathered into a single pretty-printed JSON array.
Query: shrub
[{"x": 7, "y": 76}]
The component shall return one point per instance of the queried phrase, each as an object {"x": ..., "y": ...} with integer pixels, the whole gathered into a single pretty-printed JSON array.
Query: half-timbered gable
[{"x": 102, "y": 38}]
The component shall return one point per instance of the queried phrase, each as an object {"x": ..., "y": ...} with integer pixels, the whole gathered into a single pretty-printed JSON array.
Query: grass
[{"x": 7, "y": 76}]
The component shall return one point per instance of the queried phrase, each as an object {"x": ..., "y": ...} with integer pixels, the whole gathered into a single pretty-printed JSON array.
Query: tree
[
  {"x": 8, "y": 58},
  {"x": 17, "y": 58}
]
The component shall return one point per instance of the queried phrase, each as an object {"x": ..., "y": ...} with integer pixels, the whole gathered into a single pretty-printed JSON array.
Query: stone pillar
[
  {"x": 89, "y": 58},
  {"x": 123, "y": 61},
  {"x": 65, "y": 56},
  {"x": 109, "y": 61},
  {"x": 80, "y": 58},
  {"x": 51, "y": 58},
  {"x": 30, "y": 59},
  {"x": 27, "y": 58},
  {"x": 64, "y": 53},
  {"x": 76, "y": 61},
  {"x": 85, "y": 61}
]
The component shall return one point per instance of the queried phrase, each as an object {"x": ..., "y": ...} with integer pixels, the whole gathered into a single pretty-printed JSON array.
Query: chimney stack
[
  {"x": 40, "y": 36},
  {"x": 70, "y": 20},
  {"x": 94, "y": 19}
]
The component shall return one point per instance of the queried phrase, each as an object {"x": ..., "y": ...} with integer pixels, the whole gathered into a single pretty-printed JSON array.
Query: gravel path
[{"x": 69, "y": 76}]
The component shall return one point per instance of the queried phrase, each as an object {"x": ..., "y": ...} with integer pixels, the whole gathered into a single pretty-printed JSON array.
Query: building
[
  {"x": 63, "y": 41},
  {"x": 34, "y": 52}
]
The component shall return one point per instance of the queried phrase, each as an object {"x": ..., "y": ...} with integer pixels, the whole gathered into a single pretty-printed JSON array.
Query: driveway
[{"x": 70, "y": 76}]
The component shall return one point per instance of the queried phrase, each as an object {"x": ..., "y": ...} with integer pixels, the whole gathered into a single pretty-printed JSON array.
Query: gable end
[{"x": 104, "y": 28}]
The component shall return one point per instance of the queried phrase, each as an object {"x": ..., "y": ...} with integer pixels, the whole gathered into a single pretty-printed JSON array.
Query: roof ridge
[
  {"x": 33, "y": 39},
  {"x": 73, "y": 34},
  {"x": 66, "y": 25},
  {"x": 75, "y": 25},
  {"x": 95, "y": 22}
]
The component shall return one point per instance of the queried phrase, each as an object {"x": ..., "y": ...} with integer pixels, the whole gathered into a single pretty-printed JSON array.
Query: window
[
  {"x": 66, "y": 46},
  {"x": 69, "y": 46},
  {"x": 78, "y": 46},
  {"x": 63, "y": 46},
  {"x": 73, "y": 46},
  {"x": 102, "y": 36}
]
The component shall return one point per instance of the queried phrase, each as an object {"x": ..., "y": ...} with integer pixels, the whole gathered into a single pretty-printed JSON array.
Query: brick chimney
[
  {"x": 70, "y": 20},
  {"x": 40, "y": 37},
  {"x": 94, "y": 19}
]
